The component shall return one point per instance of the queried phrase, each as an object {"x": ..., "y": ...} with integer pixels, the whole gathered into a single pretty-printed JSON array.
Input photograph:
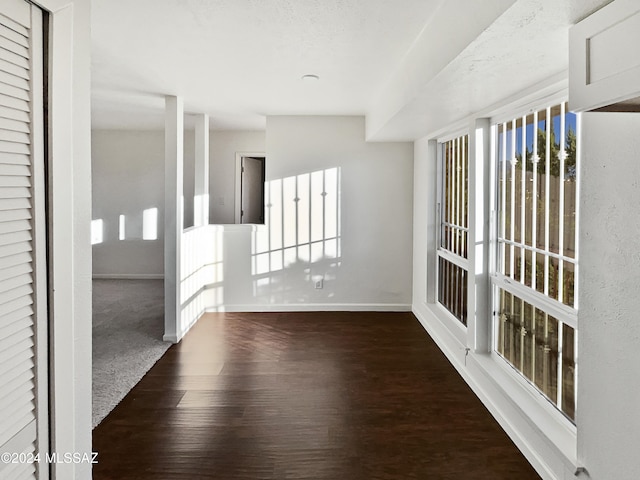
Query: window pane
[
  {"x": 568, "y": 371},
  {"x": 528, "y": 340},
  {"x": 546, "y": 365},
  {"x": 454, "y": 202},
  {"x": 568, "y": 284},
  {"x": 452, "y": 289},
  {"x": 570, "y": 218},
  {"x": 536, "y": 161},
  {"x": 452, "y": 279},
  {"x": 553, "y": 159}
]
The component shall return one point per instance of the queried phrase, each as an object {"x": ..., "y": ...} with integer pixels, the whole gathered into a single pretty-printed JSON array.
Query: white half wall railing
[{"x": 201, "y": 274}]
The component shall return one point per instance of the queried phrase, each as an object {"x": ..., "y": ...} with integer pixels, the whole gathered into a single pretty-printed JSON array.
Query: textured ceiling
[
  {"x": 410, "y": 66},
  {"x": 239, "y": 60}
]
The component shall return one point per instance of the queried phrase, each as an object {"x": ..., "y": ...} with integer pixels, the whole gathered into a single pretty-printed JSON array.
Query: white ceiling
[
  {"x": 397, "y": 61},
  {"x": 239, "y": 60}
]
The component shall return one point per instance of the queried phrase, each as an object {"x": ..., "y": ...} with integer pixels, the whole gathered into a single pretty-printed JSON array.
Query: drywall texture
[
  {"x": 339, "y": 210},
  {"x": 128, "y": 178},
  {"x": 609, "y": 332}
]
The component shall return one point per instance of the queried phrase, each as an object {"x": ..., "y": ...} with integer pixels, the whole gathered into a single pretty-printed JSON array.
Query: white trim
[
  {"x": 238, "y": 187},
  {"x": 539, "y": 300},
  {"x": 230, "y": 227},
  {"x": 128, "y": 276},
  {"x": 478, "y": 238},
  {"x": 460, "y": 129},
  {"x": 314, "y": 307},
  {"x": 70, "y": 254},
  {"x": 173, "y": 211},
  {"x": 528, "y": 101},
  {"x": 450, "y": 257},
  {"x": 433, "y": 217},
  {"x": 550, "y": 91}
]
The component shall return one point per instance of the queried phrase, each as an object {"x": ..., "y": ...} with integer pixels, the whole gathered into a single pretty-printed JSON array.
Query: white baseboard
[
  {"x": 128, "y": 276},
  {"x": 170, "y": 338},
  {"x": 315, "y": 307}
]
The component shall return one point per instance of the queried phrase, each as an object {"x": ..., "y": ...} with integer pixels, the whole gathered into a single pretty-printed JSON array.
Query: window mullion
[
  {"x": 546, "y": 199},
  {"x": 558, "y": 310},
  {"x": 560, "y": 361},
  {"x": 513, "y": 198},
  {"x": 534, "y": 201},
  {"x": 562, "y": 154},
  {"x": 523, "y": 201},
  {"x": 503, "y": 198}
]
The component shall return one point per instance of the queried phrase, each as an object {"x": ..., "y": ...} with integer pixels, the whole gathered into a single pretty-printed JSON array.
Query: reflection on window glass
[
  {"x": 529, "y": 339},
  {"x": 537, "y": 168},
  {"x": 454, "y": 224}
]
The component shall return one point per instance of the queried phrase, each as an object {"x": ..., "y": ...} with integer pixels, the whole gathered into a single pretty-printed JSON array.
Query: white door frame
[
  {"x": 238, "y": 191},
  {"x": 69, "y": 161}
]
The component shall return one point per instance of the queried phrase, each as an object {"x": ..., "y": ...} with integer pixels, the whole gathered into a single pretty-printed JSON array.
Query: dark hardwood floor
[{"x": 331, "y": 396}]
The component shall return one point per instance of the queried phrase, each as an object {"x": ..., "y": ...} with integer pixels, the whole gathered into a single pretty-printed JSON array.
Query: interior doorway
[{"x": 250, "y": 180}]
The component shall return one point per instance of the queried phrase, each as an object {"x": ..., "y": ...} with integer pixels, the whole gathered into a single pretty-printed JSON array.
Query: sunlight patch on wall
[
  {"x": 150, "y": 224},
  {"x": 97, "y": 231},
  {"x": 121, "y": 227},
  {"x": 302, "y": 229},
  {"x": 200, "y": 207}
]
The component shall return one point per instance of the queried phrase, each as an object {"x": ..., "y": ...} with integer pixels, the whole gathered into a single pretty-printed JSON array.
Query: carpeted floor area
[{"x": 128, "y": 324}]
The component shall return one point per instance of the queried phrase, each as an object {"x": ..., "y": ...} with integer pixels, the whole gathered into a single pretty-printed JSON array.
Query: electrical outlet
[{"x": 319, "y": 283}]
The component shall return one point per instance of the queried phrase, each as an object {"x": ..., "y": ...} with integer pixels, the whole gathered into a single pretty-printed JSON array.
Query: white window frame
[
  {"x": 563, "y": 313},
  {"x": 441, "y": 252}
]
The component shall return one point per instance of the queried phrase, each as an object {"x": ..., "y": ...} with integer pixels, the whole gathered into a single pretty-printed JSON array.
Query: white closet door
[{"x": 22, "y": 242}]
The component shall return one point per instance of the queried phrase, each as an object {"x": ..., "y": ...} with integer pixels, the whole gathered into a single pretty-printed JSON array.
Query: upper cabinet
[{"x": 604, "y": 59}]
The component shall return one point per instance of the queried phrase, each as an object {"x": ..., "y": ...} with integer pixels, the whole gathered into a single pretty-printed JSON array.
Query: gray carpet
[{"x": 128, "y": 324}]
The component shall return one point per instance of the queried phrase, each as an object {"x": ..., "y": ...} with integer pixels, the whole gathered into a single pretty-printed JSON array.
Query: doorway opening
[{"x": 250, "y": 180}]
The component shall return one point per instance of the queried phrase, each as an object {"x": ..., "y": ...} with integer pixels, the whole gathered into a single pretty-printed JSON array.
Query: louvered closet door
[{"x": 21, "y": 225}]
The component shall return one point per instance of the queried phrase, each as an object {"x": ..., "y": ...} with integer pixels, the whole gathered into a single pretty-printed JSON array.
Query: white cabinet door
[
  {"x": 23, "y": 338},
  {"x": 604, "y": 59}
]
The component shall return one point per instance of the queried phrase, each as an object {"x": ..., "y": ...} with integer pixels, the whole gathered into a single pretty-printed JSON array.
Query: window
[
  {"x": 453, "y": 227},
  {"x": 535, "y": 280}
]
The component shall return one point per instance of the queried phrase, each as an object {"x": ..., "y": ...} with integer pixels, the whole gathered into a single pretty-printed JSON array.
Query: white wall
[
  {"x": 128, "y": 178},
  {"x": 366, "y": 263},
  {"x": 608, "y": 387},
  {"x": 367, "y": 241}
]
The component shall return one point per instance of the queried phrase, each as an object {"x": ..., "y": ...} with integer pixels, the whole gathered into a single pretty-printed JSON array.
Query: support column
[
  {"x": 201, "y": 185},
  {"x": 479, "y": 287},
  {"x": 433, "y": 167},
  {"x": 173, "y": 222}
]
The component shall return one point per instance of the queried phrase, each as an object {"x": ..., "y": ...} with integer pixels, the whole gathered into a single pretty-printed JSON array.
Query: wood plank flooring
[{"x": 308, "y": 396}]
